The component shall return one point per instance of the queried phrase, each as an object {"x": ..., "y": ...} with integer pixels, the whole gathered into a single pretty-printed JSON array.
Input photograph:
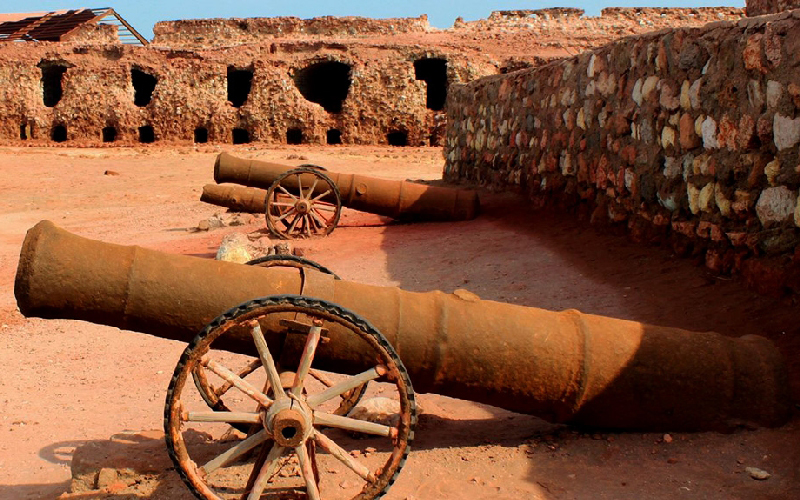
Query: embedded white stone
[
  {"x": 590, "y": 67},
  {"x": 786, "y": 131},
  {"x": 776, "y": 204},
  {"x": 709, "y": 133},
  {"x": 774, "y": 91},
  {"x": 637, "y": 92}
]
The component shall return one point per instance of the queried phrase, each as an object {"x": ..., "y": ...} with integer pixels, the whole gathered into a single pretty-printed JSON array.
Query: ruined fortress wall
[
  {"x": 223, "y": 32},
  {"x": 192, "y": 88},
  {"x": 84, "y": 91},
  {"x": 687, "y": 136},
  {"x": 762, "y": 7}
]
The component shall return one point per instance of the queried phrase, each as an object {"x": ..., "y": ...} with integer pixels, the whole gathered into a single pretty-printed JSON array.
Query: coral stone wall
[
  {"x": 191, "y": 92},
  {"x": 688, "y": 136},
  {"x": 761, "y": 7}
]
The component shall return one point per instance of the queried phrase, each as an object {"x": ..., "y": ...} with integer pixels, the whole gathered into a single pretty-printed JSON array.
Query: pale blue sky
[{"x": 143, "y": 14}]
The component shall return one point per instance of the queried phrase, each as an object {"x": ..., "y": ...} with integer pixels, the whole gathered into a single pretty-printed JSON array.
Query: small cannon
[
  {"x": 283, "y": 352},
  {"x": 307, "y": 201}
]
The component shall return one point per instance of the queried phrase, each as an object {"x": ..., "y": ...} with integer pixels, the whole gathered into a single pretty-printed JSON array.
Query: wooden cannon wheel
[
  {"x": 293, "y": 433},
  {"x": 213, "y": 395},
  {"x": 294, "y": 210}
]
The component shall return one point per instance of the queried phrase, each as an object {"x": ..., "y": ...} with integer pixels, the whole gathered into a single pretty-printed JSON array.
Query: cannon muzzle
[
  {"x": 562, "y": 366},
  {"x": 400, "y": 200},
  {"x": 237, "y": 198}
]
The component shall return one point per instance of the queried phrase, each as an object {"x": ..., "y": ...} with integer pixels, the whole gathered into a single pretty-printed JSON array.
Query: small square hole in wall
[
  {"x": 294, "y": 136},
  {"x": 59, "y": 133},
  {"x": 397, "y": 138},
  {"x": 241, "y": 136},
  {"x": 147, "y": 134},
  {"x": 200, "y": 135},
  {"x": 109, "y": 134},
  {"x": 334, "y": 136}
]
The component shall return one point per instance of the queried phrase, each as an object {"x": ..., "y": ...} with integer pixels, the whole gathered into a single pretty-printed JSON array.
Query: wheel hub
[
  {"x": 302, "y": 206},
  {"x": 289, "y": 422}
]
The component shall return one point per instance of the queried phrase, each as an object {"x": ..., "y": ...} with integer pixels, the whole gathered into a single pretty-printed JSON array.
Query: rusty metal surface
[
  {"x": 236, "y": 197},
  {"x": 401, "y": 200},
  {"x": 562, "y": 366}
]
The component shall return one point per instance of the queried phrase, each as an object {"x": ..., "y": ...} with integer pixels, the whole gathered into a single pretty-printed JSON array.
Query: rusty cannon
[
  {"x": 261, "y": 401},
  {"x": 307, "y": 201}
]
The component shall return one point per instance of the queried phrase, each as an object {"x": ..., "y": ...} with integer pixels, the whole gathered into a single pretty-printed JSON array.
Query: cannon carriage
[{"x": 259, "y": 403}]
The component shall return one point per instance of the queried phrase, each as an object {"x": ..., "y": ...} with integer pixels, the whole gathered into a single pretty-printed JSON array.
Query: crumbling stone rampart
[
  {"x": 688, "y": 136},
  {"x": 762, "y": 7},
  {"x": 223, "y": 32},
  {"x": 278, "y": 93}
]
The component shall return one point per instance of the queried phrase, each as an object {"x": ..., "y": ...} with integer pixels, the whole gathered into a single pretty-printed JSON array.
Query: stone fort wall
[
  {"x": 285, "y": 80},
  {"x": 686, "y": 136}
]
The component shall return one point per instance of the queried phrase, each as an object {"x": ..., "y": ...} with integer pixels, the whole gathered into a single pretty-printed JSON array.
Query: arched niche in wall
[
  {"x": 52, "y": 77},
  {"x": 240, "y": 135},
  {"x": 143, "y": 86},
  {"x": 326, "y": 83},
  {"x": 109, "y": 134},
  {"x": 240, "y": 82},
  {"x": 397, "y": 138},
  {"x": 201, "y": 135},
  {"x": 433, "y": 70},
  {"x": 294, "y": 135},
  {"x": 59, "y": 133}
]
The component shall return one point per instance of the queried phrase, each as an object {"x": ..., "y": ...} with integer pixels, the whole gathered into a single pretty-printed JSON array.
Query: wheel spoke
[
  {"x": 308, "y": 472},
  {"x": 237, "y": 382},
  {"x": 266, "y": 472},
  {"x": 320, "y": 196},
  {"x": 293, "y": 224},
  {"x": 231, "y": 417},
  {"x": 282, "y": 204},
  {"x": 287, "y": 214},
  {"x": 318, "y": 219},
  {"x": 313, "y": 187},
  {"x": 307, "y": 224},
  {"x": 325, "y": 207},
  {"x": 341, "y": 454},
  {"x": 247, "y": 370},
  {"x": 351, "y": 424},
  {"x": 310, "y": 348},
  {"x": 293, "y": 197},
  {"x": 235, "y": 452},
  {"x": 346, "y": 385},
  {"x": 267, "y": 361}
]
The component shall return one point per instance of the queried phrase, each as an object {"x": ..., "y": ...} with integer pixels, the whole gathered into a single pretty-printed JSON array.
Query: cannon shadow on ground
[{"x": 556, "y": 261}]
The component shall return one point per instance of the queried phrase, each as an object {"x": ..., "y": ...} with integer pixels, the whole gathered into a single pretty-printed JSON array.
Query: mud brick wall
[
  {"x": 762, "y": 7},
  {"x": 686, "y": 136}
]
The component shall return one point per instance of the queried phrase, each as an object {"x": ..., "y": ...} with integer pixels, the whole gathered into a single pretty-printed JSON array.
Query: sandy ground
[{"x": 66, "y": 384}]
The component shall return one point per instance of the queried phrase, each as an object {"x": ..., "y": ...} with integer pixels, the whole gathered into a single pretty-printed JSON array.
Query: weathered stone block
[
  {"x": 776, "y": 204},
  {"x": 786, "y": 131}
]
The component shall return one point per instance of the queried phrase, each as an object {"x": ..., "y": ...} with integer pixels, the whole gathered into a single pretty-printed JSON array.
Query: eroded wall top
[{"x": 761, "y": 7}]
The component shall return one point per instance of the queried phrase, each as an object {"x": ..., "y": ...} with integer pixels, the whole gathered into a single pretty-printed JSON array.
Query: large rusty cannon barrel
[
  {"x": 237, "y": 198},
  {"x": 400, "y": 200},
  {"x": 562, "y": 366}
]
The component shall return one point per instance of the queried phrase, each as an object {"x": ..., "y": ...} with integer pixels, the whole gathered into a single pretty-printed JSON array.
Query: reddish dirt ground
[{"x": 67, "y": 384}]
